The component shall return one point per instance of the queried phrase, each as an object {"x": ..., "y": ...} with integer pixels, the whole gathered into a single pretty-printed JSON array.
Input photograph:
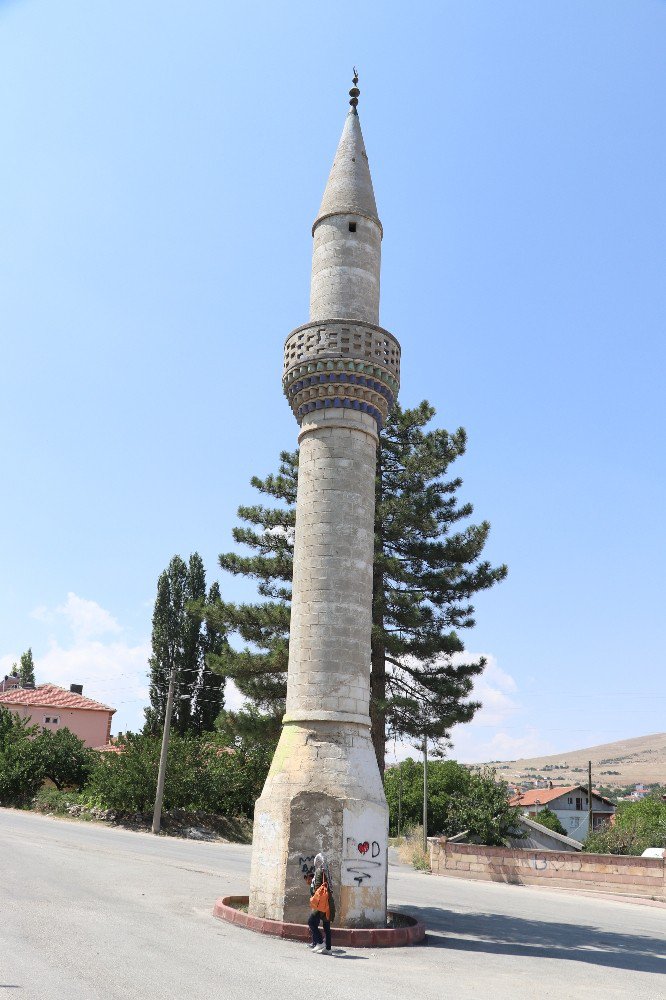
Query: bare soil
[{"x": 625, "y": 762}]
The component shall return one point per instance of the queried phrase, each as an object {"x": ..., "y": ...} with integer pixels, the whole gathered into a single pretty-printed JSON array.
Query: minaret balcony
[{"x": 341, "y": 363}]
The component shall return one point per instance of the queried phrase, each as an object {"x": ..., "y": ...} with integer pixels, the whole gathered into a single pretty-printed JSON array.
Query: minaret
[{"x": 341, "y": 374}]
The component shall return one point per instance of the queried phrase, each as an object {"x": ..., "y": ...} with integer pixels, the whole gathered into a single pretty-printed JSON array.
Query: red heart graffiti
[{"x": 364, "y": 847}]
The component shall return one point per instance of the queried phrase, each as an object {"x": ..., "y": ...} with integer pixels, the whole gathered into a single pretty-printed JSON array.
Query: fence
[{"x": 601, "y": 872}]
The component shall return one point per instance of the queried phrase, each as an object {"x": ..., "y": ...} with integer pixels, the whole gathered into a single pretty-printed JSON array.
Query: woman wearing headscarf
[{"x": 321, "y": 876}]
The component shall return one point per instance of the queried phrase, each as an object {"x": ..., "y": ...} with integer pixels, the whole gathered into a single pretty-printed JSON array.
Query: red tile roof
[
  {"x": 544, "y": 795},
  {"x": 51, "y": 696}
]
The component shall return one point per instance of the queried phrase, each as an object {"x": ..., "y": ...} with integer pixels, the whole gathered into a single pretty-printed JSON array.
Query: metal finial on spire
[{"x": 354, "y": 92}]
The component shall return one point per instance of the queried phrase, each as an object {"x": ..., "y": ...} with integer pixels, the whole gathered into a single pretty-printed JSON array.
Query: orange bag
[{"x": 320, "y": 900}]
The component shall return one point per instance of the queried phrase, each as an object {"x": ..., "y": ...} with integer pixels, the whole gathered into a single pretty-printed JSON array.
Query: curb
[{"x": 225, "y": 909}]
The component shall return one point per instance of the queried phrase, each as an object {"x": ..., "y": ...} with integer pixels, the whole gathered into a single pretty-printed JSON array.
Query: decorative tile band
[{"x": 325, "y": 380}]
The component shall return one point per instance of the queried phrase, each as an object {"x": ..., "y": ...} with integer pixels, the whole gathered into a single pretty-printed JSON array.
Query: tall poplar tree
[
  {"x": 427, "y": 568},
  {"x": 180, "y": 637},
  {"x": 26, "y": 670}
]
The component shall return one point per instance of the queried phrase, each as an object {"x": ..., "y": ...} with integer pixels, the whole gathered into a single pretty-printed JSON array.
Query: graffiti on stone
[
  {"x": 556, "y": 862},
  {"x": 306, "y": 863},
  {"x": 361, "y": 871},
  {"x": 364, "y": 847}
]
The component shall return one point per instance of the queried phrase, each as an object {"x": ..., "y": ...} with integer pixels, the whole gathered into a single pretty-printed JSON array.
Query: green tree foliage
[
  {"x": 64, "y": 758},
  {"x": 209, "y": 697},
  {"x": 459, "y": 799},
  {"x": 259, "y": 667},
  {"x": 549, "y": 819},
  {"x": 637, "y": 826},
  {"x": 427, "y": 568},
  {"x": 202, "y": 773},
  {"x": 21, "y": 772},
  {"x": 27, "y": 669},
  {"x": 180, "y": 636},
  {"x": 28, "y": 757}
]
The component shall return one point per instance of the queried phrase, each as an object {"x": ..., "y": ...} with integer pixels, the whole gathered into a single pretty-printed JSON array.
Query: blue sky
[{"x": 161, "y": 167}]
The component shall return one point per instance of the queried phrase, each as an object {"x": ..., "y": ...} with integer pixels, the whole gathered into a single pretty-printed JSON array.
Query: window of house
[
  {"x": 53, "y": 719},
  {"x": 579, "y": 803},
  {"x": 569, "y": 800}
]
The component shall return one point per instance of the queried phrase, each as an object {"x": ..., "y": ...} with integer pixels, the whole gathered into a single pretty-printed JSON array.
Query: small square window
[{"x": 352, "y": 227}]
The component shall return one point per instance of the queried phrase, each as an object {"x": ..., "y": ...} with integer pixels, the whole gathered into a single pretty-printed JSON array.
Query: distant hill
[{"x": 626, "y": 762}]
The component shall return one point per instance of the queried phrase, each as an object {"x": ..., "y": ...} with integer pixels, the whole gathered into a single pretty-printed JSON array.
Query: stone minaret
[{"x": 341, "y": 373}]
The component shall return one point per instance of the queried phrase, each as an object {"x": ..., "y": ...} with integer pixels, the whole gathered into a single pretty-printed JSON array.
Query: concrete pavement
[{"x": 96, "y": 913}]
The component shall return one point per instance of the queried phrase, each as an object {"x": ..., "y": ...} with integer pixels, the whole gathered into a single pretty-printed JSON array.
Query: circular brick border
[{"x": 226, "y": 909}]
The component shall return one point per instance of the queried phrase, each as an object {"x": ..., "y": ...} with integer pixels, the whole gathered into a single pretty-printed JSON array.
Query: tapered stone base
[{"x": 323, "y": 793}]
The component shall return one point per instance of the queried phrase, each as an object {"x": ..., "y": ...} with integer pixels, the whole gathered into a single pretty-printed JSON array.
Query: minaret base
[{"x": 323, "y": 793}]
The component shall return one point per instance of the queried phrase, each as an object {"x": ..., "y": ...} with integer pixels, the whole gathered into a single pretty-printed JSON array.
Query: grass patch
[
  {"x": 411, "y": 852},
  {"x": 52, "y": 800}
]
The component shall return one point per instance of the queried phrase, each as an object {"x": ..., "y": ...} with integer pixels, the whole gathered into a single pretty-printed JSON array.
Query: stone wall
[{"x": 600, "y": 872}]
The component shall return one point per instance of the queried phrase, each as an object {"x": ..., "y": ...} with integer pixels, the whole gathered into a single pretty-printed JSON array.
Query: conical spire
[{"x": 349, "y": 187}]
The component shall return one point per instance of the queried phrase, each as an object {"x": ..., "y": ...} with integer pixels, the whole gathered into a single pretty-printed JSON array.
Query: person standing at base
[{"x": 322, "y": 876}]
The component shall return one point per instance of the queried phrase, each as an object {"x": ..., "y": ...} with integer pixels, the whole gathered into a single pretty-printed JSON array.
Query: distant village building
[
  {"x": 10, "y": 682},
  {"x": 51, "y": 707},
  {"x": 640, "y": 791},
  {"x": 570, "y": 805}
]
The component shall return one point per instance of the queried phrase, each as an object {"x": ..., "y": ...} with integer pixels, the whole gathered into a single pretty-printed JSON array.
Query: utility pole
[
  {"x": 425, "y": 792},
  {"x": 399, "y": 797},
  {"x": 589, "y": 798},
  {"x": 159, "y": 795}
]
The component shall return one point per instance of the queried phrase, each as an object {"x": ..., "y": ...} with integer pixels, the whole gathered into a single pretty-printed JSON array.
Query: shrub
[
  {"x": 459, "y": 798},
  {"x": 21, "y": 771},
  {"x": 637, "y": 826},
  {"x": 235, "y": 779},
  {"x": 65, "y": 759},
  {"x": 201, "y": 775},
  {"x": 126, "y": 781},
  {"x": 52, "y": 800},
  {"x": 549, "y": 819}
]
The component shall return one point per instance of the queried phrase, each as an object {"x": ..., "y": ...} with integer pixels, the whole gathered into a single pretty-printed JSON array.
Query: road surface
[{"x": 94, "y": 913}]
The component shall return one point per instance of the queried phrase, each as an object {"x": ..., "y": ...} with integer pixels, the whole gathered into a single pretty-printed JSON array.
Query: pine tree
[
  {"x": 26, "y": 670},
  {"x": 426, "y": 571},
  {"x": 179, "y": 638},
  {"x": 259, "y": 670}
]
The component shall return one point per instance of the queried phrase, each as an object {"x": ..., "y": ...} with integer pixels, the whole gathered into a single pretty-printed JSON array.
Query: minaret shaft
[
  {"x": 345, "y": 269},
  {"x": 341, "y": 373}
]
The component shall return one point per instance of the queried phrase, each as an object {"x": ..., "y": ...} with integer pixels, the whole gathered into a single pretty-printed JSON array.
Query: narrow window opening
[{"x": 352, "y": 227}]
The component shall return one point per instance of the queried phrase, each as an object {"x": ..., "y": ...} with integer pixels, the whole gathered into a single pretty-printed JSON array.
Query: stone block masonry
[
  {"x": 579, "y": 871},
  {"x": 341, "y": 375}
]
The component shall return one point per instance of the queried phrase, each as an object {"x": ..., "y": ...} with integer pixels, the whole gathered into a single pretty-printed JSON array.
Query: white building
[{"x": 570, "y": 805}]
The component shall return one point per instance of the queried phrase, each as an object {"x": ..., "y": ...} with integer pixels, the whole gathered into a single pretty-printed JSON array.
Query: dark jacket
[{"x": 314, "y": 885}]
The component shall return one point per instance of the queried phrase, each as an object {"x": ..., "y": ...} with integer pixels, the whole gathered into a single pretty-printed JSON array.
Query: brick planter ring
[{"x": 225, "y": 909}]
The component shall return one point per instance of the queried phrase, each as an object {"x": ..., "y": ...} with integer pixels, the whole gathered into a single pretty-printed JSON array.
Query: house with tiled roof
[
  {"x": 51, "y": 707},
  {"x": 571, "y": 806}
]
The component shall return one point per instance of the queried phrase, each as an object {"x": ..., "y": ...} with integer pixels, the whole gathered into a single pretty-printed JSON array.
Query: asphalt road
[{"x": 97, "y": 914}]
